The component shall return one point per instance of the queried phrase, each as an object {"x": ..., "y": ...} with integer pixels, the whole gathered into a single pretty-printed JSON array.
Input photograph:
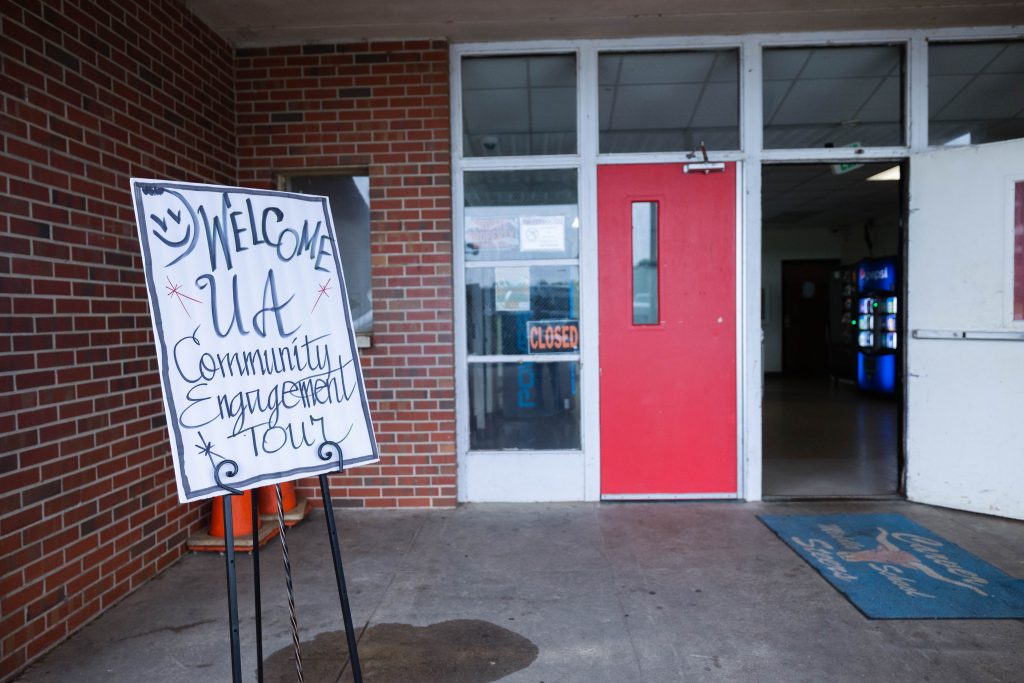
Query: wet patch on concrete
[{"x": 456, "y": 651}]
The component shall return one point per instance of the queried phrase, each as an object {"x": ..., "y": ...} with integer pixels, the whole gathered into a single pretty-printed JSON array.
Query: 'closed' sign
[{"x": 553, "y": 336}]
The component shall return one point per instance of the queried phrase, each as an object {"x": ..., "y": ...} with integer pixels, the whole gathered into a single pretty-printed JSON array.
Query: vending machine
[
  {"x": 877, "y": 325},
  {"x": 842, "y": 324}
]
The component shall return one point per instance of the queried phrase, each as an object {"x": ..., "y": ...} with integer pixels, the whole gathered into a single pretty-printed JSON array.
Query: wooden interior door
[{"x": 805, "y": 317}]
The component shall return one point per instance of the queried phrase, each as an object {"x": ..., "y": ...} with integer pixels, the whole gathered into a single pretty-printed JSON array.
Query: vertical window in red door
[{"x": 645, "y": 263}]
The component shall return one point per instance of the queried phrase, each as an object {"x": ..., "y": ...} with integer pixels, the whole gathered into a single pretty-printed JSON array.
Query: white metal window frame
[
  {"x": 364, "y": 340},
  {"x": 575, "y": 475}
]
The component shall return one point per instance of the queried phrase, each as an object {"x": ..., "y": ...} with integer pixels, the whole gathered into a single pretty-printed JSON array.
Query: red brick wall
[
  {"x": 381, "y": 106},
  {"x": 92, "y": 93}
]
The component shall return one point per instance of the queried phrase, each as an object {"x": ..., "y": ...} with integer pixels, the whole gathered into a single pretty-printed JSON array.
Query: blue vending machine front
[{"x": 877, "y": 325}]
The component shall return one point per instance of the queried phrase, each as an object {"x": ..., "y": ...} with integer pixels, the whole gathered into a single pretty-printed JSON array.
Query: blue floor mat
[{"x": 891, "y": 568}]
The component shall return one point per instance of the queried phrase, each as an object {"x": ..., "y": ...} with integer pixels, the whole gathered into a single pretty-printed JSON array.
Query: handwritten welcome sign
[{"x": 257, "y": 354}]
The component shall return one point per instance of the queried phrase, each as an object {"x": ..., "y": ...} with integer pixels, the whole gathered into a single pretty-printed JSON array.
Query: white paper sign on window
[
  {"x": 542, "y": 233},
  {"x": 254, "y": 336},
  {"x": 512, "y": 289},
  {"x": 487, "y": 233}
]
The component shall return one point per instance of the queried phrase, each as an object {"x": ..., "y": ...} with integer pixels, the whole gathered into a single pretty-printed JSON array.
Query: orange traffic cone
[
  {"x": 241, "y": 516},
  {"x": 241, "y": 526},
  {"x": 295, "y": 507}
]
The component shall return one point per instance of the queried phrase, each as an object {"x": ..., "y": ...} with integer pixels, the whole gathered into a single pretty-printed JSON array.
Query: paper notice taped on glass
[
  {"x": 491, "y": 233},
  {"x": 542, "y": 233},
  {"x": 512, "y": 290}
]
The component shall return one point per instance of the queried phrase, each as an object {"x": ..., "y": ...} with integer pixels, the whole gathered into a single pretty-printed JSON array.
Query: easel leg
[
  {"x": 256, "y": 584},
  {"x": 288, "y": 585},
  {"x": 339, "y": 574},
  {"x": 229, "y": 555}
]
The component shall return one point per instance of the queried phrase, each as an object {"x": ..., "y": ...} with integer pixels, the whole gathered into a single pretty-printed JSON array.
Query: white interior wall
[{"x": 885, "y": 241}]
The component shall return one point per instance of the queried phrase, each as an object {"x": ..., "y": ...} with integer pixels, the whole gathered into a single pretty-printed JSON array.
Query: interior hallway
[{"x": 824, "y": 438}]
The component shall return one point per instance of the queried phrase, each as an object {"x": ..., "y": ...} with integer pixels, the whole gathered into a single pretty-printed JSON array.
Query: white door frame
[{"x": 575, "y": 475}]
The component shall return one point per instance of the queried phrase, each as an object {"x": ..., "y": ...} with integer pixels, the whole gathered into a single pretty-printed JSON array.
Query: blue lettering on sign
[
  {"x": 525, "y": 377},
  {"x": 217, "y": 233},
  {"x": 272, "y": 304},
  {"x": 234, "y": 231},
  {"x": 204, "y": 281}
]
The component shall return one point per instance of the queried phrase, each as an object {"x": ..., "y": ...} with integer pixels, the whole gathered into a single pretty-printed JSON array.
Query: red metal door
[{"x": 668, "y": 361}]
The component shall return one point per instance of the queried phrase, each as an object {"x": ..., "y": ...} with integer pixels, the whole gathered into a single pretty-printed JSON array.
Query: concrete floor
[
  {"x": 826, "y": 438},
  {"x": 569, "y": 592}
]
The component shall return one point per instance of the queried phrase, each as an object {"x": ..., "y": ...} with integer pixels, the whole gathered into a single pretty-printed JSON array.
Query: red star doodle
[
  {"x": 323, "y": 292},
  {"x": 175, "y": 290}
]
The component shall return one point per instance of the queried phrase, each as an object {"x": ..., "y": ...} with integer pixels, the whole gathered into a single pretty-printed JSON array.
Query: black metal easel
[
  {"x": 256, "y": 587},
  {"x": 229, "y": 555},
  {"x": 339, "y": 574},
  {"x": 326, "y": 452}
]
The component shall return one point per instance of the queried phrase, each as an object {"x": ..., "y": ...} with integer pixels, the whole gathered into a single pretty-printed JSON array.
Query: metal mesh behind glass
[
  {"x": 524, "y": 406},
  {"x": 517, "y": 106},
  {"x": 975, "y": 92},
  {"x": 833, "y": 97},
  {"x": 502, "y": 302},
  {"x": 668, "y": 101}
]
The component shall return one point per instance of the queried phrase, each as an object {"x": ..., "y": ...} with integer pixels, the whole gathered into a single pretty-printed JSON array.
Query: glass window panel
[
  {"x": 524, "y": 406},
  {"x": 668, "y": 101},
  {"x": 833, "y": 97},
  {"x": 512, "y": 215},
  {"x": 975, "y": 92},
  {"x": 521, "y": 105},
  {"x": 503, "y": 304},
  {"x": 350, "y": 212},
  {"x": 645, "y": 263}
]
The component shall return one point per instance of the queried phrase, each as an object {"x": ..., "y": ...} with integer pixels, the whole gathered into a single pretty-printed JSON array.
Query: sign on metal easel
[{"x": 257, "y": 355}]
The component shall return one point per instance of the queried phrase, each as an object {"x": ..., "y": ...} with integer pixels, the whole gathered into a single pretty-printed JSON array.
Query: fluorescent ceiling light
[
  {"x": 888, "y": 174},
  {"x": 964, "y": 139}
]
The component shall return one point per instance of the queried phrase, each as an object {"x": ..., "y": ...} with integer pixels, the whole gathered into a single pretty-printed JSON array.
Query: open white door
[{"x": 965, "y": 357}]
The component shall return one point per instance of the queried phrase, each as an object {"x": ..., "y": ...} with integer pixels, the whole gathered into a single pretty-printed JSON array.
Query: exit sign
[{"x": 846, "y": 167}]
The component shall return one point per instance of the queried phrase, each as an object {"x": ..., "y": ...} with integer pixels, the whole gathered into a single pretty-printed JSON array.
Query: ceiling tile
[{"x": 824, "y": 101}]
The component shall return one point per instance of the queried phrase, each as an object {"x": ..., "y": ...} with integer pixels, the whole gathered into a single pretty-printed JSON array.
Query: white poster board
[{"x": 254, "y": 336}]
